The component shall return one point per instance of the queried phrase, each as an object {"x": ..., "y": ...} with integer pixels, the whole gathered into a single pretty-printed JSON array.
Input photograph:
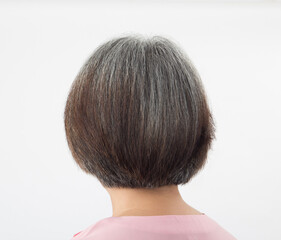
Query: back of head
[{"x": 137, "y": 114}]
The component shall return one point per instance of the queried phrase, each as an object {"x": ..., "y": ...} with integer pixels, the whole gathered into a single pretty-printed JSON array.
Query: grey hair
[{"x": 137, "y": 114}]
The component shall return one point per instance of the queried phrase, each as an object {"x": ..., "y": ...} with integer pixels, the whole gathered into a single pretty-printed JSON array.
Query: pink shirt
[{"x": 162, "y": 227}]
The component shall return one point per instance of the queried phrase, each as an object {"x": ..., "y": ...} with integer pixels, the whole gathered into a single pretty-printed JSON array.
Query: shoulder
[{"x": 90, "y": 230}]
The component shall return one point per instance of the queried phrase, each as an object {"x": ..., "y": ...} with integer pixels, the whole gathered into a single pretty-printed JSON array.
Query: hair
[{"x": 137, "y": 115}]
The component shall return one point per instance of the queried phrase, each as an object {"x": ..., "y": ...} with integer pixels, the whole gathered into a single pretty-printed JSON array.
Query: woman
[{"x": 137, "y": 118}]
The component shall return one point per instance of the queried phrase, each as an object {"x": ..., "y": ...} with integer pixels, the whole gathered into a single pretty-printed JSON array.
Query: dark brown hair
[{"x": 137, "y": 115}]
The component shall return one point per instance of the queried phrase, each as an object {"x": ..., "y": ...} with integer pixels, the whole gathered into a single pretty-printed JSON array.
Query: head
[{"x": 137, "y": 115}]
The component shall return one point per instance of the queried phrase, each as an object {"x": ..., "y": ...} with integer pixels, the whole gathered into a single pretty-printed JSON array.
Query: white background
[{"x": 236, "y": 47}]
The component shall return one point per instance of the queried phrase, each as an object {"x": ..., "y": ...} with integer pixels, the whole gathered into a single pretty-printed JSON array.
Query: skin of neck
[{"x": 165, "y": 200}]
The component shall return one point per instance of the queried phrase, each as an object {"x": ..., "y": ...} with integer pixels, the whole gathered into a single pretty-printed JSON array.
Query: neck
[{"x": 165, "y": 200}]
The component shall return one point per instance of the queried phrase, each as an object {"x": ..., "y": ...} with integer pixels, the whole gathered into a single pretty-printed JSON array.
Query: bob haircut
[{"x": 137, "y": 116}]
